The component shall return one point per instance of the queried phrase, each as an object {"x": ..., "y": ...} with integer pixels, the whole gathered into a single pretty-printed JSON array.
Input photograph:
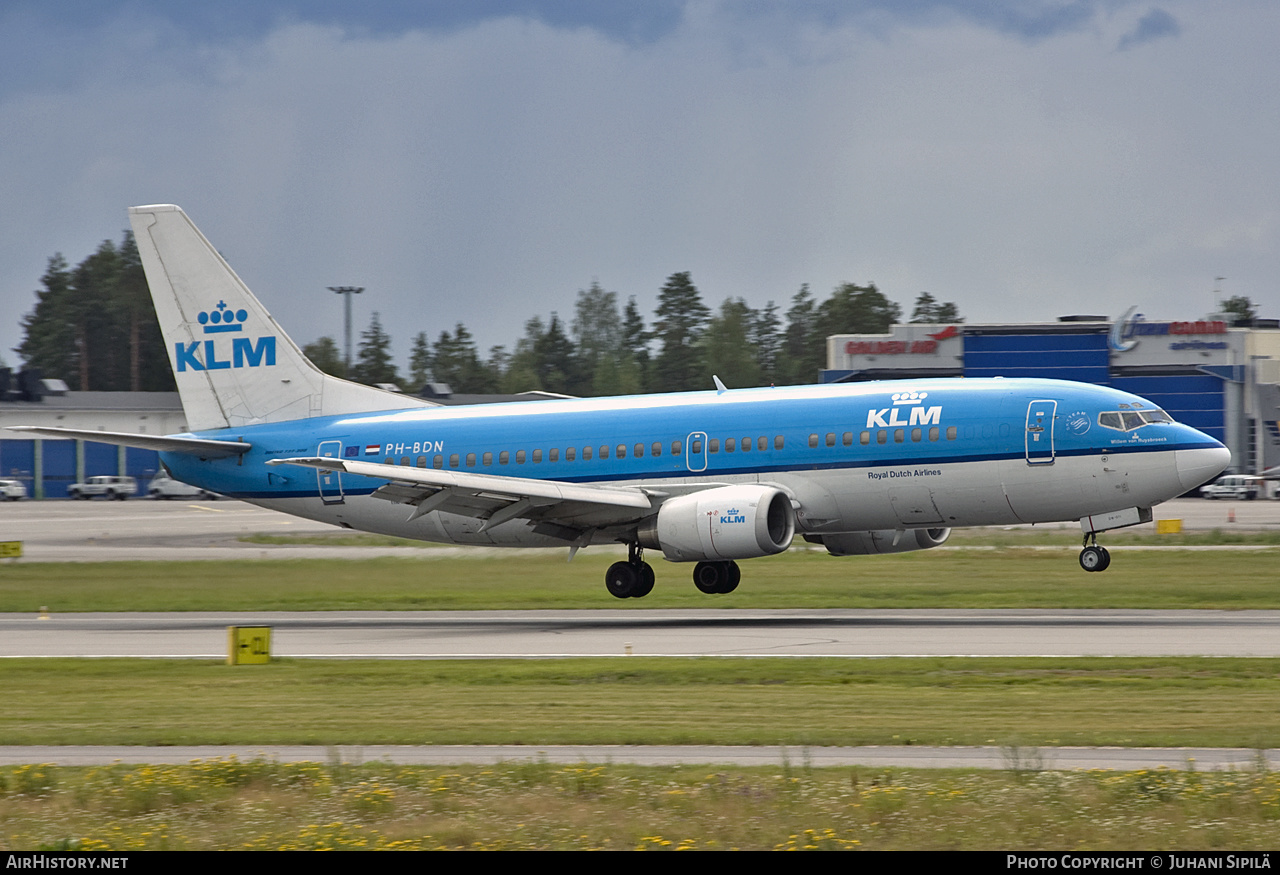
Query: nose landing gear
[{"x": 1093, "y": 557}]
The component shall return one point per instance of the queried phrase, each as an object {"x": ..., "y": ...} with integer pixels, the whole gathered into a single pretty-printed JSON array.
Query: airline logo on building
[
  {"x": 1129, "y": 329},
  {"x": 901, "y": 347},
  {"x": 223, "y": 352}
]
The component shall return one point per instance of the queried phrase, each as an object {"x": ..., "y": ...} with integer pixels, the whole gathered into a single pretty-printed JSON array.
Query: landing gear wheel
[
  {"x": 716, "y": 577},
  {"x": 644, "y": 582},
  {"x": 621, "y": 580},
  {"x": 1094, "y": 558}
]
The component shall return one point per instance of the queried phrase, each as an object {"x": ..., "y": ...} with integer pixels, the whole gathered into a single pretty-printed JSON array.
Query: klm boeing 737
[{"x": 703, "y": 477}]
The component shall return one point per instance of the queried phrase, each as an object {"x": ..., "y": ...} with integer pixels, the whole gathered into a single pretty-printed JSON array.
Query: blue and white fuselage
[{"x": 707, "y": 477}]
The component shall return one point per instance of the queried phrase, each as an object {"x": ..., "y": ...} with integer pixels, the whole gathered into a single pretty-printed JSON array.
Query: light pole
[{"x": 347, "y": 292}]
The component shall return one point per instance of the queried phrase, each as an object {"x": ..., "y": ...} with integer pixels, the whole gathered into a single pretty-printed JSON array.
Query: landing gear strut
[
  {"x": 716, "y": 577},
  {"x": 1093, "y": 557},
  {"x": 632, "y": 579}
]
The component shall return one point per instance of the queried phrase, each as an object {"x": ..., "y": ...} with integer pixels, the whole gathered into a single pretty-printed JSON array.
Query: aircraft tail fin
[{"x": 234, "y": 365}]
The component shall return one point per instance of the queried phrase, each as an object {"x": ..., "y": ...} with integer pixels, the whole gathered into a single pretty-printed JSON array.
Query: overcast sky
[{"x": 481, "y": 162}]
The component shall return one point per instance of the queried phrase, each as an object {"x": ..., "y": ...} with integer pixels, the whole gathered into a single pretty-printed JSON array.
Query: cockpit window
[{"x": 1128, "y": 420}]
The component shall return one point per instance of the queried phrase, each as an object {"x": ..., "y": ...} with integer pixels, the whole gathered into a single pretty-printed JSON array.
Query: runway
[{"x": 702, "y": 633}]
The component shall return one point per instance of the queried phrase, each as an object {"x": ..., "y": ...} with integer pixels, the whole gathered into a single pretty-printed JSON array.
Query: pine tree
[
  {"x": 373, "y": 359},
  {"x": 681, "y": 320}
]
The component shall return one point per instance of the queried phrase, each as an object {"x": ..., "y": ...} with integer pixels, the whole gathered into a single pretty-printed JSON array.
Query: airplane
[{"x": 710, "y": 477}]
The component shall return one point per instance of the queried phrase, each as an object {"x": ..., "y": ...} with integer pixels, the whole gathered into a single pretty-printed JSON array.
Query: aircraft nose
[{"x": 1201, "y": 465}]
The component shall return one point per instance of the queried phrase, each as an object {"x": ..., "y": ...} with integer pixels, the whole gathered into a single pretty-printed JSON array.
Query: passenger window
[
  {"x": 570, "y": 454},
  {"x": 519, "y": 457},
  {"x": 746, "y": 445},
  {"x": 847, "y": 439},
  {"x": 586, "y": 454},
  {"x": 730, "y": 445},
  {"x": 537, "y": 456},
  {"x": 917, "y": 434},
  {"x": 934, "y": 431},
  {"x": 404, "y": 460},
  {"x": 864, "y": 438},
  {"x": 899, "y": 435},
  {"x": 714, "y": 445},
  {"x": 762, "y": 443},
  {"x": 436, "y": 462},
  {"x": 831, "y": 439},
  {"x": 422, "y": 461},
  {"x": 813, "y": 441},
  {"x": 453, "y": 460},
  {"x": 638, "y": 450},
  {"x": 504, "y": 457},
  {"x": 656, "y": 449},
  {"x": 882, "y": 436},
  {"x": 777, "y": 442},
  {"x": 553, "y": 454},
  {"x": 695, "y": 447},
  {"x": 604, "y": 451},
  {"x": 677, "y": 447},
  {"x": 471, "y": 460},
  {"x": 488, "y": 459},
  {"x": 951, "y": 432},
  {"x": 391, "y": 460},
  {"x": 621, "y": 451}
]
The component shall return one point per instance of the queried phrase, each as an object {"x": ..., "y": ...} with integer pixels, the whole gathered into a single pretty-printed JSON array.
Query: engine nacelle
[
  {"x": 729, "y": 522},
  {"x": 880, "y": 541}
]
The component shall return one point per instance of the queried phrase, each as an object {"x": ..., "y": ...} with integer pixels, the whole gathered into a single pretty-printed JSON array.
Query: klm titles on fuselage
[{"x": 245, "y": 352}]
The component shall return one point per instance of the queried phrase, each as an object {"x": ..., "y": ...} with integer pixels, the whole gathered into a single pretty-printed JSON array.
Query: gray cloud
[{"x": 1155, "y": 25}]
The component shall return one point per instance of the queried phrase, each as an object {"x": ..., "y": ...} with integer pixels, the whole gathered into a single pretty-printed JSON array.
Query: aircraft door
[
  {"x": 695, "y": 457},
  {"x": 330, "y": 482},
  {"x": 1040, "y": 417}
]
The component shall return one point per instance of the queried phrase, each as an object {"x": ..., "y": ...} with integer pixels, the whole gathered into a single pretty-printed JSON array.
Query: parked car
[
  {"x": 164, "y": 486},
  {"x": 1237, "y": 486},
  {"x": 108, "y": 486},
  {"x": 12, "y": 490}
]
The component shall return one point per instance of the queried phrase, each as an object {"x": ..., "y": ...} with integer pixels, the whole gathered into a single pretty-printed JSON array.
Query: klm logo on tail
[{"x": 245, "y": 352}]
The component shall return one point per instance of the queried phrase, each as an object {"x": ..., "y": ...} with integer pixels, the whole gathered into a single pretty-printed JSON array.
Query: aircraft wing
[
  {"x": 567, "y": 510},
  {"x": 205, "y": 449}
]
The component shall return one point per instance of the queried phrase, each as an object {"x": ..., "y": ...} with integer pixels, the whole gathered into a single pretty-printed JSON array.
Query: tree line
[
  {"x": 94, "y": 327},
  {"x": 607, "y": 348}
]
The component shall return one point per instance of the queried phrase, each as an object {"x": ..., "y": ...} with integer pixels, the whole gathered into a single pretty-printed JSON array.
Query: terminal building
[{"x": 1220, "y": 379}]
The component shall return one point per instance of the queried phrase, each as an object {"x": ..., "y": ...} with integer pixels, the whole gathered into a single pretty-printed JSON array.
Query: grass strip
[
  {"x": 256, "y": 804},
  {"x": 1007, "y": 578},
  {"x": 943, "y": 701}
]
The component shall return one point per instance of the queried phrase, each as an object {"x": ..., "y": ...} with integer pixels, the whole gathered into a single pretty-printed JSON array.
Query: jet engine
[
  {"x": 880, "y": 541},
  {"x": 728, "y": 522}
]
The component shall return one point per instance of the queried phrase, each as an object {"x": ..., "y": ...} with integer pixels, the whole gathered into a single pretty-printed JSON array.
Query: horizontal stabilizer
[{"x": 205, "y": 449}]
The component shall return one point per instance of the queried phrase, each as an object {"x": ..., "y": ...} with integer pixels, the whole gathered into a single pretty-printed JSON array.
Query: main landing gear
[
  {"x": 632, "y": 579},
  {"x": 716, "y": 577},
  {"x": 1093, "y": 557}
]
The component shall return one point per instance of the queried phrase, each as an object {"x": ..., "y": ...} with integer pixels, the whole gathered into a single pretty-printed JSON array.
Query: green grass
[
  {"x": 1009, "y": 577},
  {"x": 935, "y": 701},
  {"x": 258, "y": 804}
]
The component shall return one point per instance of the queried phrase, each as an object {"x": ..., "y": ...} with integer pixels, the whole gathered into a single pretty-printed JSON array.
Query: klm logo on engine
[
  {"x": 733, "y": 515},
  {"x": 890, "y": 417},
  {"x": 211, "y": 355}
]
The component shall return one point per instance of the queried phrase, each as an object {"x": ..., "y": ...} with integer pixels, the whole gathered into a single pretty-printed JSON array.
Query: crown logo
[
  {"x": 220, "y": 319},
  {"x": 909, "y": 397}
]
